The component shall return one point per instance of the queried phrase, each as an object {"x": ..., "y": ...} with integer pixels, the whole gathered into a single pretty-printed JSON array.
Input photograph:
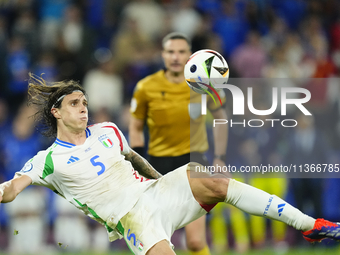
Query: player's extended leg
[
  {"x": 161, "y": 247},
  {"x": 209, "y": 189},
  {"x": 196, "y": 237}
]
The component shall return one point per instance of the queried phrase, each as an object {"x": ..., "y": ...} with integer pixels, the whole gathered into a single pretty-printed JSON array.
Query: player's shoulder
[
  {"x": 101, "y": 127},
  {"x": 151, "y": 80},
  {"x": 42, "y": 155}
]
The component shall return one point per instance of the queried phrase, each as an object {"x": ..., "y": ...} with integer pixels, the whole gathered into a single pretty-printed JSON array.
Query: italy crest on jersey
[{"x": 106, "y": 141}]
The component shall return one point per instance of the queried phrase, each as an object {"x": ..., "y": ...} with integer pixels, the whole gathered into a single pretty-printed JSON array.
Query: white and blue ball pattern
[{"x": 205, "y": 69}]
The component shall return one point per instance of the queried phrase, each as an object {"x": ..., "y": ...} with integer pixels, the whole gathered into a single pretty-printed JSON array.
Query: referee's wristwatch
[{"x": 221, "y": 157}]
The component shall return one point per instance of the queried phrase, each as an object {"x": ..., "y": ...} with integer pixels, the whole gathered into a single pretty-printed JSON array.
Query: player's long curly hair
[{"x": 44, "y": 95}]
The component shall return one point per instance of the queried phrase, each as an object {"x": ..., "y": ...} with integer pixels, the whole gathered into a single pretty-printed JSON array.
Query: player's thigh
[
  {"x": 161, "y": 247},
  {"x": 164, "y": 207},
  {"x": 195, "y": 233}
]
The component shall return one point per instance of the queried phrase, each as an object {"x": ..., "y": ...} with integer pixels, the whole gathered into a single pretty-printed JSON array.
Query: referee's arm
[
  {"x": 136, "y": 135},
  {"x": 220, "y": 133}
]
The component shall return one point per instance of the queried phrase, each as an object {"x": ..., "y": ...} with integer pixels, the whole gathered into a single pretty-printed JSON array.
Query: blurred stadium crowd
[{"x": 109, "y": 45}]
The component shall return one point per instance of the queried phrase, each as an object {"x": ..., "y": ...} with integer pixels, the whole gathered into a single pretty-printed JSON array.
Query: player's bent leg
[
  {"x": 196, "y": 237},
  {"x": 161, "y": 247},
  {"x": 257, "y": 202},
  {"x": 207, "y": 189}
]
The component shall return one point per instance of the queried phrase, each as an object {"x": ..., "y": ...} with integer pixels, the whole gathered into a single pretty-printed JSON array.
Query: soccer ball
[{"x": 205, "y": 69}]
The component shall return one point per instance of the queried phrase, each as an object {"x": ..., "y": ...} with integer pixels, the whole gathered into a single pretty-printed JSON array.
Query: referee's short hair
[{"x": 176, "y": 35}]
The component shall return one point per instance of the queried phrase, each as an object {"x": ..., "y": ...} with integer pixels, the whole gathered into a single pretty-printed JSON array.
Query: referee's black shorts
[{"x": 166, "y": 164}]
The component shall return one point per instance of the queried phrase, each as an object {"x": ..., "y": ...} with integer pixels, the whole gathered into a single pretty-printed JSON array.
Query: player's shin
[{"x": 257, "y": 202}]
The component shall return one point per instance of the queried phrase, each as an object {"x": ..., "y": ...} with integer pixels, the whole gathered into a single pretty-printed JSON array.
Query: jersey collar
[
  {"x": 70, "y": 145},
  {"x": 64, "y": 144}
]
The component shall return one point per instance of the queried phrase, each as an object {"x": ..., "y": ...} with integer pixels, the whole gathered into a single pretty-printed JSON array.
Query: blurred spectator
[
  {"x": 238, "y": 225},
  {"x": 276, "y": 35},
  {"x": 280, "y": 67},
  {"x": 47, "y": 66},
  {"x": 211, "y": 7},
  {"x": 18, "y": 63},
  {"x": 3, "y": 56},
  {"x": 310, "y": 28},
  {"x": 205, "y": 38},
  {"x": 323, "y": 68},
  {"x": 292, "y": 11},
  {"x": 335, "y": 43},
  {"x": 231, "y": 25},
  {"x": 70, "y": 230},
  {"x": 256, "y": 17},
  {"x": 130, "y": 45},
  {"x": 51, "y": 14},
  {"x": 148, "y": 14},
  {"x": 307, "y": 146},
  {"x": 25, "y": 27},
  {"x": 21, "y": 143},
  {"x": 104, "y": 86},
  {"x": 75, "y": 44},
  {"x": 249, "y": 58},
  {"x": 104, "y": 18},
  {"x": 4, "y": 118},
  {"x": 27, "y": 226},
  {"x": 333, "y": 124},
  {"x": 185, "y": 18},
  {"x": 266, "y": 141},
  {"x": 134, "y": 53},
  {"x": 294, "y": 50},
  {"x": 4, "y": 127},
  {"x": 102, "y": 115}
]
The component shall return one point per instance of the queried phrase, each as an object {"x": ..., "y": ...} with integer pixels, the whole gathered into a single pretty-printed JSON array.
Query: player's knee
[
  {"x": 219, "y": 188},
  {"x": 196, "y": 244},
  {"x": 194, "y": 166}
]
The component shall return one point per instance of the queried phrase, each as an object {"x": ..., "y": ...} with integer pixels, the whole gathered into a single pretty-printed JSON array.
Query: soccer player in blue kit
[{"x": 94, "y": 168}]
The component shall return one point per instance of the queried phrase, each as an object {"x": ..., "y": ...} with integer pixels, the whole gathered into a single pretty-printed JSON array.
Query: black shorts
[{"x": 165, "y": 165}]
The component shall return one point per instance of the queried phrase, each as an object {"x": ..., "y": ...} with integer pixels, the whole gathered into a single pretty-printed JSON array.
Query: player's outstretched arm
[
  {"x": 10, "y": 189},
  {"x": 142, "y": 165}
]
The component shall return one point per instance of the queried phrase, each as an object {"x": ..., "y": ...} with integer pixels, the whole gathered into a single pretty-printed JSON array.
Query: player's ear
[{"x": 55, "y": 113}]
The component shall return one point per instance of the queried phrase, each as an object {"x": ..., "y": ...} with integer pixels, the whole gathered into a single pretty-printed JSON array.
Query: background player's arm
[
  {"x": 142, "y": 165},
  {"x": 220, "y": 133},
  {"x": 136, "y": 134},
  {"x": 10, "y": 189}
]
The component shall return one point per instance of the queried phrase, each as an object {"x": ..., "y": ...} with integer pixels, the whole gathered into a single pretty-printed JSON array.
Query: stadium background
[{"x": 109, "y": 45}]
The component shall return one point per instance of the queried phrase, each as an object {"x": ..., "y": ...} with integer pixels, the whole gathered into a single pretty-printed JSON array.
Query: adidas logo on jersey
[{"x": 72, "y": 159}]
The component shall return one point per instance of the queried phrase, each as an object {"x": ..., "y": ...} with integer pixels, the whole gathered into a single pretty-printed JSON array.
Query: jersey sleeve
[
  {"x": 214, "y": 104},
  {"x": 138, "y": 107},
  {"x": 34, "y": 168},
  {"x": 124, "y": 146}
]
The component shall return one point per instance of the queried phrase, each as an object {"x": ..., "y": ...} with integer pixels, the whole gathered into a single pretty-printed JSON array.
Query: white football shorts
[{"x": 165, "y": 206}]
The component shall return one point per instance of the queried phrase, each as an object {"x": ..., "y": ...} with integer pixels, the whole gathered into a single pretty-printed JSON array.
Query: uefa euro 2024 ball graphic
[{"x": 205, "y": 69}]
